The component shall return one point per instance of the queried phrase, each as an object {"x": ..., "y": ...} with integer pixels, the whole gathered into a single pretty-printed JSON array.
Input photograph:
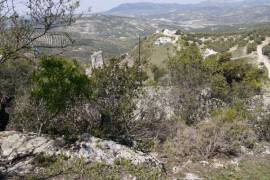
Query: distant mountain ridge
[
  {"x": 206, "y": 12},
  {"x": 144, "y": 8}
]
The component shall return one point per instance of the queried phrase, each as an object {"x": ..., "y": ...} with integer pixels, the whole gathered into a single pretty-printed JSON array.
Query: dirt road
[{"x": 263, "y": 58}]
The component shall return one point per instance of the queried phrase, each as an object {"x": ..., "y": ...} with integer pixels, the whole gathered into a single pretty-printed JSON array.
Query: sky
[{"x": 103, "y": 5}]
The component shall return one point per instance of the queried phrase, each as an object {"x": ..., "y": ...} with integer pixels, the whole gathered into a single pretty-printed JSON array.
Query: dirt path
[
  {"x": 266, "y": 61},
  {"x": 234, "y": 48},
  {"x": 241, "y": 57},
  {"x": 263, "y": 58}
]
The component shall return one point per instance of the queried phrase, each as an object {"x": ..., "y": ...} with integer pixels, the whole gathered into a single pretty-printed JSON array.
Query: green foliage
[
  {"x": 59, "y": 88},
  {"x": 262, "y": 126},
  {"x": 115, "y": 87},
  {"x": 157, "y": 72},
  {"x": 15, "y": 77},
  {"x": 209, "y": 139},
  {"x": 251, "y": 47},
  {"x": 15, "y": 81},
  {"x": 188, "y": 73},
  {"x": 69, "y": 169},
  {"x": 266, "y": 50},
  {"x": 187, "y": 68},
  {"x": 234, "y": 79},
  {"x": 237, "y": 112},
  {"x": 43, "y": 160},
  {"x": 59, "y": 82},
  {"x": 221, "y": 46},
  {"x": 248, "y": 169},
  {"x": 64, "y": 101},
  {"x": 229, "y": 80},
  {"x": 242, "y": 43},
  {"x": 220, "y": 87},
  {"x": 258, "y": 41},
  {"x": 224, "y": 57}
]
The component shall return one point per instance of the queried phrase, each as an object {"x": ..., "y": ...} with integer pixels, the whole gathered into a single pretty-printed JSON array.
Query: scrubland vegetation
[
  {"x": 266, "y": 50},
  {"x": 55, "y": 97},
  {"x": 217, "y": 106}
]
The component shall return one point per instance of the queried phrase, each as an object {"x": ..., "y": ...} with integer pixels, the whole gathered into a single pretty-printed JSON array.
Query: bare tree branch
[{"x": 19, "y": 32}]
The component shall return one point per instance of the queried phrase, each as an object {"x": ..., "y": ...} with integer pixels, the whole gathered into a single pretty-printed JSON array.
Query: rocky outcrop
[
  {"x": 18, "y": 150},
  {"x": 156, "y": 102},
  {"x": 168, "y": 102}
]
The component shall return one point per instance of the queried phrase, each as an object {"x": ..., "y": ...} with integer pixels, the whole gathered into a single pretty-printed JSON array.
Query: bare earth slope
[{"x": 263, "y": 58}]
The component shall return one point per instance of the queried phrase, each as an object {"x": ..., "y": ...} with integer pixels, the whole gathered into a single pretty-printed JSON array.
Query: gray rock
[{"x": 19, "y": 149}]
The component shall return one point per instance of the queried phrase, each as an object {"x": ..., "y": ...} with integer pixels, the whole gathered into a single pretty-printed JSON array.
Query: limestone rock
[
  {"x": 19, "y": 149},
  {"x": 190, "y": 176}
]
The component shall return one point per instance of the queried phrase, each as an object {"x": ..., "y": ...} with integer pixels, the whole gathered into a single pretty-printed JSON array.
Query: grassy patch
[
  {"x": 78, "y": 168},
  {"x": 248, "y": 170}
]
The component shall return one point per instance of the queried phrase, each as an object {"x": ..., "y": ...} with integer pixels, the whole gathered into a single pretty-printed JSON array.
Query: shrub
[
  {"x": 15, "y": 80},
  {"x": 242, "y": 43},
  {"x": 222, "y": 46},
  {"x": 266, "y": 50},
  {"x": 251, "y": 47},
  {"x": 59, "y": 82},
  {"x": 258, "y": 41},
  {"x": 64, "y": 101},
  {"x": 220, "y": 87},
  {"x": 57, "y": 85},
  {"x": 262, "y": 126},
  {"x": 209, "y": 139},
  {"x": 248, "y": 169},
  {"x": 188, "y": 73},
  {"x": 237, "y": 112},
  {"x": 115, "y": 87},
  {"x": 74, "y": 168},
  {"x": 15, "y": 77},
  {"x": 157, "y": 72},
  {"x": 244, "y": 79},
  {"x": 225, "y": 57},
  {"x": 43, "y": 160},
  {"x": 229, "y": 80}
]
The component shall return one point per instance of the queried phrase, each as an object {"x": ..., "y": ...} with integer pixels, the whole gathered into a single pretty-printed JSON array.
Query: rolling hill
[{"x": 205, "y": 13}]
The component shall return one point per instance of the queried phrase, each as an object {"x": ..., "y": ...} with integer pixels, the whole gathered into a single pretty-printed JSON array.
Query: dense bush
[
  {"x": 258, "y": 37},
  {"x": 258, "y": 40},
  {"x": 189, "y": 75},
  {"x": 229, "y": 80},
  {"x": 262, "y": 126},
  {"x": 157, "y": 72},
  {"x": 208, "y": 139},
  {"x": 64, "y": 101},
  {"x": 15, "y": 77},
  {"x": 242, "y": 43},
  {"x": 257, "y": 168},
  {"x": 232, "y": 80},
  {"x": 58, "y": 83},
  {"x": 114, "y": 88},
  {"x": 251, "y": 47},
  {"x": 266, "y": 50},
  {"x": 62, "y": 167},
  {"x": 221, "y": 46}
]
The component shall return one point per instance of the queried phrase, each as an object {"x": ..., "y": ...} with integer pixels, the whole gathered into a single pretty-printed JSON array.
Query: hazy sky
[{"x": 102, "y": 5}]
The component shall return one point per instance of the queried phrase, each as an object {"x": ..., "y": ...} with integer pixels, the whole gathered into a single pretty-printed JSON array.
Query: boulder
[{"x": 18, "y": 150}]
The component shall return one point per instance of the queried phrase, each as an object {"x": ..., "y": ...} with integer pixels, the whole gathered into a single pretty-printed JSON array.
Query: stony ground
[{"x": 18, "y": 151}]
